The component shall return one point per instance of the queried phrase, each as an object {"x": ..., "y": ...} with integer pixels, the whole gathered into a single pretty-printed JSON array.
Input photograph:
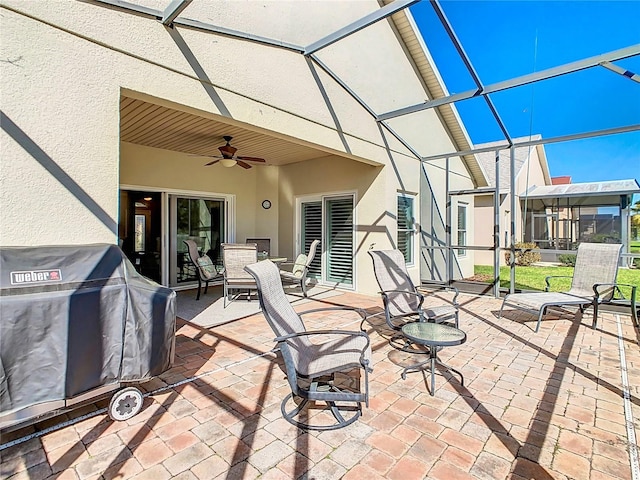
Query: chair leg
[
  {"x": 303, "y": 285},
  {"x": 540, "y": 315},
  {"x": 206, "y": 286},
  {"x": 199, "y": 286},
  {"x": 595, "y": 314},
  {"x": 335, "y": 410}
]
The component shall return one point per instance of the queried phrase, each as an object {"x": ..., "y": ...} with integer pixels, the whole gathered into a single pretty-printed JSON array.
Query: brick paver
[{"x": 533, "y": 405}]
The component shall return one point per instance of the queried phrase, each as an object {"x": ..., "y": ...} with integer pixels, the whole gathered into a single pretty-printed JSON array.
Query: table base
[{"x": 433, "y": 359}]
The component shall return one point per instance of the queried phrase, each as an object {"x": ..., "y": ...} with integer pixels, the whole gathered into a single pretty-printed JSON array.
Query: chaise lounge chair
[{"x": 593, "y": 282}]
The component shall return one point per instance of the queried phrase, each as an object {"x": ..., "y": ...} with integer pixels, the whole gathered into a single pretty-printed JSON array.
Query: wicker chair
[
  {"x": 206, "y": 271},
  {"x": 593, "y": 283},
  {"x": 300, "y": 268},
  {"x": 236, "y": 256},
  {"x": 316, "y": 370}
]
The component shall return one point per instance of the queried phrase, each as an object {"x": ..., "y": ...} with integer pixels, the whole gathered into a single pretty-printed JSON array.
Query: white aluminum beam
[
  {"x": 130, "y": 7},
  {"x": 174, "y": 9},
  {"x": 358, "y": 25},
  {"x": 196, "y": 25},
  {"x": 543, "y": 141},
  {"x": 572, "y": 67},
  {"x": 362, "y": 103},
  {"x": 206, "y": 27},
  {"x": 467, "y": 61},
  {"x": 621, "y": 71}
]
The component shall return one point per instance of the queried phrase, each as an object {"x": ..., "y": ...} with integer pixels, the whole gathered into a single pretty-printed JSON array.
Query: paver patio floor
[{"x": 545, "y": 405}]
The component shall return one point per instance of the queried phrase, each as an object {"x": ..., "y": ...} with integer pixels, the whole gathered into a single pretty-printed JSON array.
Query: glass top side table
[{"x": 434, "y": 336}]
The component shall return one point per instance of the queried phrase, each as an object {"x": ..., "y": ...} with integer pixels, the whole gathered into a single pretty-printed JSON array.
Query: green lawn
[
  {"x": 634, "y": 247},
  {"x": 532, "y": 278}
]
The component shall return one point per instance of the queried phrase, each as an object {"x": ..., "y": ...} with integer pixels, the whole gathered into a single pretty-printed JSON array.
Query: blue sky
[{"x": 506, "y": 39}]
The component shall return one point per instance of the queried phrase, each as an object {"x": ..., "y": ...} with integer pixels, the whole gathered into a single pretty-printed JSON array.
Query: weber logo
[{"x": 35, "y": 276}]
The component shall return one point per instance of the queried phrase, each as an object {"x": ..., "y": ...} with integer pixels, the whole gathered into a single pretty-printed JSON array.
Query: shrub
[
  {"x": 525, "y": 258},
  {"x": 567, "y": 259}
]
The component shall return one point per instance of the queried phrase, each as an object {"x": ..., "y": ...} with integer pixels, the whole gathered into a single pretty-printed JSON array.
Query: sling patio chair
[
  {"x": 401, "y": 299},
  {"x": 593, "y": 283},
  {"x": 320, "y": 365},
  {"x": 236, "y": 256},
  {"x": 300, "y": 268},
  {"x": 206, "y": 271}
]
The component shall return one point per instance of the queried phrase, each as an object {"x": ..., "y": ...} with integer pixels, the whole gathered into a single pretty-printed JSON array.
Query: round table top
[{"x": 428, "y": 333}]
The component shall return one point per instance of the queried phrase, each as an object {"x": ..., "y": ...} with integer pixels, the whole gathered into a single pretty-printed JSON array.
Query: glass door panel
[
  {"x": 198, "y": 219},
  {"x": 140, "y": 231}
]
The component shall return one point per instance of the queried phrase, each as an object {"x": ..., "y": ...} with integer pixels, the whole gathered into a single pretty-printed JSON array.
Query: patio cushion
[
  {"x": 298, "y": 266},
  {"x": 206, "y": 267}
]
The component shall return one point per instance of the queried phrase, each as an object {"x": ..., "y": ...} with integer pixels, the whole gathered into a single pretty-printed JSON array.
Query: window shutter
[
  {"x": 339, "y": 213},
  {"x": 312, "y": 230}
]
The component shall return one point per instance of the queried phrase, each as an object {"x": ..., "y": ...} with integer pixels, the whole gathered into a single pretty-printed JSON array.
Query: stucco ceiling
[{"x": 159, "y": 126}]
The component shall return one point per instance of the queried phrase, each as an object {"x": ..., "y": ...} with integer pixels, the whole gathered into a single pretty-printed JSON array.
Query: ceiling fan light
[{"x": 227, "y": 162}]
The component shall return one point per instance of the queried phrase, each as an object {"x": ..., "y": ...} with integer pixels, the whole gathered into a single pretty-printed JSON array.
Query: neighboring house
[
  {"x": 564, "y": 215},
  {"x": 109, "y": 116},
  {"x": 553, "y": 213},
  {"x": 531, "y": 169}
]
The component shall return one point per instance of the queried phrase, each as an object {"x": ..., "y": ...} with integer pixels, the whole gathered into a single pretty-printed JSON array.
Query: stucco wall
[
  {"x": 68, "y": 63},
  {"x": 531, "y": 174}
]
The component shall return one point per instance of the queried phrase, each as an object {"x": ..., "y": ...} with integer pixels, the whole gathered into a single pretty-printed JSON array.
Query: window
[
  {"x": 462, "y": 227},
  {"x": 140, "y": 233},
  {"x": 406, "y": 220}
]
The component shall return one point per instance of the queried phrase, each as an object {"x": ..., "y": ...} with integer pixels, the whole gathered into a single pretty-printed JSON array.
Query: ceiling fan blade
[
  {"x": 243, "y": 164},
  {"x": 211, "y": 163},
  {"x": 252, "y": 159}
]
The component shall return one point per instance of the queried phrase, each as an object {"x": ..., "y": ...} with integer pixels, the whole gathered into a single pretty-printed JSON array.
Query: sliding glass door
[{"x": 202, "y": 220}]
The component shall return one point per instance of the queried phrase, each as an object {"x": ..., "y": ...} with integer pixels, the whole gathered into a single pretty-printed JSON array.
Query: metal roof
[{"x": 606, "y": 192}]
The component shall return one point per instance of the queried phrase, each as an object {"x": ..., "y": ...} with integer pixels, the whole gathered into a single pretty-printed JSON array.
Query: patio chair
[
  {"x": 300, "y": 268},
  {"x": 206, "y": 271},
  {"x": 236, "y": 256},
  {"x": 317, "y": 363},
  {"x": 402, "y": 300},
  {"x": 593, "y": 282}
]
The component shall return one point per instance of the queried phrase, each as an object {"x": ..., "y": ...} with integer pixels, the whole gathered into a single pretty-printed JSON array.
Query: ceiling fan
[{"x": 228, "y": 157}]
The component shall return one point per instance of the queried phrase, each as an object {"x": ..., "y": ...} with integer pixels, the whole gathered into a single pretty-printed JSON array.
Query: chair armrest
[
  {"x": 354, "y": 333},
  {"x": 546, "y": 280},
  {"x": 349, "y": 333},
  {"x": 437, "y": 286},
  {"x": 616, "y": 288},
  {"x": 385, "y": 296},
  {"x": 359, "y": 311},
  {"x": 455, "y": 295}
]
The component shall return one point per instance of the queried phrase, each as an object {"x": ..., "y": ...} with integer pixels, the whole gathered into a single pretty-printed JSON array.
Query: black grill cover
[{"x": 75, "y": 318}]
